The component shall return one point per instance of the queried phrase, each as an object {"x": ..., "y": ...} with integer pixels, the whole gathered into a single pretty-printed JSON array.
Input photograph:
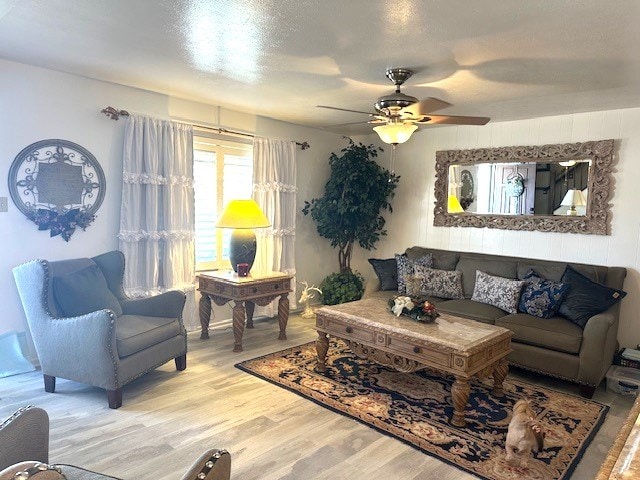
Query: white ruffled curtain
[
  {"x": 157, "y": 225},
  {"x": 274, "y": 189}
]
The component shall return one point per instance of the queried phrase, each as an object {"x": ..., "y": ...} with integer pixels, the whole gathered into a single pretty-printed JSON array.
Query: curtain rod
[{"x": 115, "y": 114}]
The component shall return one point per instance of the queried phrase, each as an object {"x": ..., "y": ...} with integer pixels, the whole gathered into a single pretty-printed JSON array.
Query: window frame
[{"x": 220, "y": 145}]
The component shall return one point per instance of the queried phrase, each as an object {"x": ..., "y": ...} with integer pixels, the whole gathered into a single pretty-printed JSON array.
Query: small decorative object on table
[{"x": 419, "y": 309}]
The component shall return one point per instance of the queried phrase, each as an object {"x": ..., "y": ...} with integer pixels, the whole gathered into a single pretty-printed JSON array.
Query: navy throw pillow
[
  {"x": 84, "y": 291},
  {"x": 541, "y": 297},
  {"x": 586, "y": 298},
  {"x": 386, "y": 271}
]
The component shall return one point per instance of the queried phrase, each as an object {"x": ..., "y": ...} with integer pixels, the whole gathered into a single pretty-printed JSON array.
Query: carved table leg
[
  {"x": 249, "y": 307},
  {"x": 460, "y": 394},
  {"x": 283, "y": 315},
  {"x": 204, "y": 308},
  {"x": 238, "y": 325},
  {"x": 322, "y": 346},
  {"x": 500, "y": 370}
]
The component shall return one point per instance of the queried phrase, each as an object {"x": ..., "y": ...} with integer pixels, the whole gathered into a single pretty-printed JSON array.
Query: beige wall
[
  {"x": 38, "y": 104},
  {"x": 412, "y": 220}
]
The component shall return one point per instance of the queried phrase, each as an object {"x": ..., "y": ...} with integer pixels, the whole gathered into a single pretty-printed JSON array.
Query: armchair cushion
[
  {"x": 135, "y": 333},
  {"x": 84, "y": 291}
]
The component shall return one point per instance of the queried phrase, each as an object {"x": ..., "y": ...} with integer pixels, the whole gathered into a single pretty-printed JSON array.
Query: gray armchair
[
  {"x": 24, "y": 437},
  {"x": 86, "y": 329}
]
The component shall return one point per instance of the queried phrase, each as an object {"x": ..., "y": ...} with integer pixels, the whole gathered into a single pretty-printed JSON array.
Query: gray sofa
[{"x": 552, "y": 346}]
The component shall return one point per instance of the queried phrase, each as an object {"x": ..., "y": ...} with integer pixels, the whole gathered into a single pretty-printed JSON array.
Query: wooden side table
[{"x": 246, "y": 292}]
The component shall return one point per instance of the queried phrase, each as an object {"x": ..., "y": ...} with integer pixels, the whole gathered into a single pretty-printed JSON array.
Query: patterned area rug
[{"x": 415, "y": 409}]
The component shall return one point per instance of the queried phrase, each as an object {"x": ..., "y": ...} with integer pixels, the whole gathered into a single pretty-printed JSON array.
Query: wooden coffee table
[{"x": 458, "y": 346}]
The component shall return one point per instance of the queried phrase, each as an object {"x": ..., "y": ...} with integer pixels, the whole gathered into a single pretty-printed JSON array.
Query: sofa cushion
[
  {"x": 432, "y": 282},
  {"x": 442, "y": 259},
  {"x": 500, "y": 292},
  {"x": 586, "y": 298},
  {"x": 541, "y": 297},
  {"x": 554, "y": 333},
  {"x": 134, "y": 333},
  {"x": 469, "y": 263},
  {"x": 84, "y": 291},
  {"x": 387, "y": 272},
  {"x": 469, "y": 309},
  {"x": 406, "y": 268}
]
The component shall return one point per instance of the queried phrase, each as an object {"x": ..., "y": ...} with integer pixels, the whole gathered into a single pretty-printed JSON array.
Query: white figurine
[
  {"x": 400, "y": 303},
  {"x": 305, "y": 297}
]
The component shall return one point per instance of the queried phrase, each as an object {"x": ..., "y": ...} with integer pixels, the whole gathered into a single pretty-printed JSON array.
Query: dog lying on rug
[{"x": 525, "y": 435}]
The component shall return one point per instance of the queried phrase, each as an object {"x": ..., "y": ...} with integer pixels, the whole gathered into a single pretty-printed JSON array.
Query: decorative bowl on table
[{"x": 419, "y": 309}]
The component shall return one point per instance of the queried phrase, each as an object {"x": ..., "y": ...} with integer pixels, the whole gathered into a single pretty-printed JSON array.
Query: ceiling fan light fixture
[{"x": 394, "y": 133}]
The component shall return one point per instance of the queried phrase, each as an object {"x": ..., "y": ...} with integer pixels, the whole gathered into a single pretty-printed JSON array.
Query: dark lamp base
[{"x": 242, "y": 248}]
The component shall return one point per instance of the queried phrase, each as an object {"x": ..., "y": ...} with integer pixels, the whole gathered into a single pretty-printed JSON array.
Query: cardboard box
[{"x": 623, "y": 380}]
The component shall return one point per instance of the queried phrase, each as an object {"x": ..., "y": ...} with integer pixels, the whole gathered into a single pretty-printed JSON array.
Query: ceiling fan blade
[
  {"x": 455, "y": 120},
  {"x": 425, "y": 106},
  {"x": 349, "y": 123},
  {"x": 344, "y": 109}
]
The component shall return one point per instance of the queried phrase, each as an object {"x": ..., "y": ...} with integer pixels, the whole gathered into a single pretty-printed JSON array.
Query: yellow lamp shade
[
  {"x": 242, "y": 214},
  {"x": 394, "y": 133},
  {"x": 453, "y": 205}
]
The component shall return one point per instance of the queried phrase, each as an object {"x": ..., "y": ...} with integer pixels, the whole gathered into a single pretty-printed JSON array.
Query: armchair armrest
[
  {"x": 24, "y": 436},
  {"x": 80, "y": 348},
  {"x": 214, "y": 464},
  {"x": 167, "y": 304}
]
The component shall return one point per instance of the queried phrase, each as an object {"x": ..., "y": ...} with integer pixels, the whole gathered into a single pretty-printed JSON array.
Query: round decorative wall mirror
[
  {"x": 466, "y": 189},
  {"x": 57, "y": 184}
]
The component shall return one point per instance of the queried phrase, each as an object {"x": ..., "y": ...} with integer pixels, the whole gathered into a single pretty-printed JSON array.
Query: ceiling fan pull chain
[{"x": 392, "y": 164}]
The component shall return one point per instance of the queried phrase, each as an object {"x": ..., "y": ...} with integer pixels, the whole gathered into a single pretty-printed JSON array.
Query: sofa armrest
[
  {"x": 599, "y": 340},
  {"x": 24, "y": 436},
  {"x": 371, "y": 286},
  {"x": 214, "y": 464},
  {"x": 167, "y": 304}
]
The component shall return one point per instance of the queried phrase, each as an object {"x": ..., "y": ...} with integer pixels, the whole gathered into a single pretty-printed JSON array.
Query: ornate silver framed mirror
[{"x": 550, "y": 188}]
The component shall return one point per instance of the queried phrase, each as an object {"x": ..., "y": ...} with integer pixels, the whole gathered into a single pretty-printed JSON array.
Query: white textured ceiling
[{"x": 280, "y": 58}]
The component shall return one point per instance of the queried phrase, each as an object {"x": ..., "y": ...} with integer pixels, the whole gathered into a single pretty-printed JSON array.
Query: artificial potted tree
[{"x": 350, "y": 211}]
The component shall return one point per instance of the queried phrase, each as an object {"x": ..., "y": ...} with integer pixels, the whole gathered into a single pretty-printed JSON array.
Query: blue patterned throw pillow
[
  {"x": 541, "y": 297},
  {"x": 406, "y": 268},
  {"x": 497, "y": 291}
]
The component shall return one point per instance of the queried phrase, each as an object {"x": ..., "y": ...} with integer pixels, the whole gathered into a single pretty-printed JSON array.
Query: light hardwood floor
[{"x": 169, "y": 417}]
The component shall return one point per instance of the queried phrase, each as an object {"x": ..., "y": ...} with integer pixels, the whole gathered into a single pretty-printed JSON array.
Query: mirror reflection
[{"x": 522, "y": 188}]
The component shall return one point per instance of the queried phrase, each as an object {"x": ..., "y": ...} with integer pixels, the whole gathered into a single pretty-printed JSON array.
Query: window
[{"x": 223, "y": 171}]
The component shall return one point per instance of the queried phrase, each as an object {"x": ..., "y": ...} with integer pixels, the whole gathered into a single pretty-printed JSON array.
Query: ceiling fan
[{"x": 398, "y": 115}]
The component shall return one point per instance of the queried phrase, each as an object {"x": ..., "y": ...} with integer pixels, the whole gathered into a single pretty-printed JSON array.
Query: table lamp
[
  {"x": 571, "y": 199},
  {"x": 243, "y": 216},
  {"x": 453, "y": 205}
]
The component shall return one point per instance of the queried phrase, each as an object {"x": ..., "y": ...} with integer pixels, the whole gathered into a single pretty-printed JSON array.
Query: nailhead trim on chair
[
  {"x": 37, "y": 468},
  {"x": 15, "y": 415},
  {"x": 209, "y": 464},
  {"x": 45, "y": 302}
]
